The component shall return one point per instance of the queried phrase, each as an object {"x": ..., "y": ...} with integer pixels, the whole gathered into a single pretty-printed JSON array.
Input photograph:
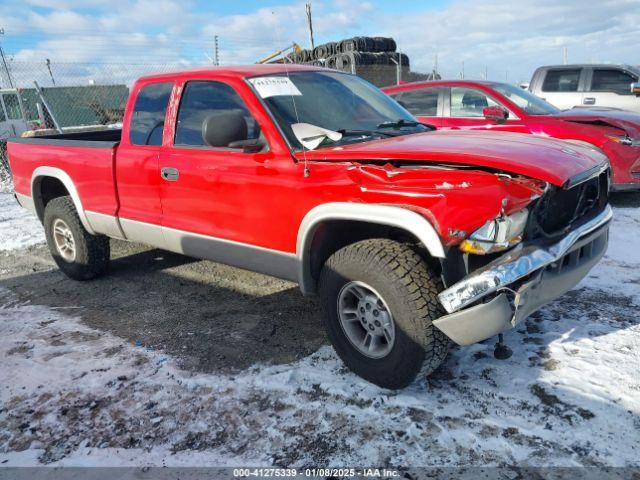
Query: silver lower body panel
[{"x": 513, "y": 303}]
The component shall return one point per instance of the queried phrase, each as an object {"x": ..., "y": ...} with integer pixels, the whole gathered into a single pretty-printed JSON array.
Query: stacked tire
[{"x": 373, "y": 58}]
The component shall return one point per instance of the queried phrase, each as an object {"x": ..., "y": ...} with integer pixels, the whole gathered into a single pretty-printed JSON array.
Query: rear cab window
[
  {"x": 201, "y": 99},
  {"x": 149, "y": 111},
  {"x": 612, "y": 80},
  {"x": 562, "y": 80}
]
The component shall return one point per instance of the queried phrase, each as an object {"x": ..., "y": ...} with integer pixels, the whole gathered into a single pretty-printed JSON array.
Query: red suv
[{"x": 502, "y": 107}]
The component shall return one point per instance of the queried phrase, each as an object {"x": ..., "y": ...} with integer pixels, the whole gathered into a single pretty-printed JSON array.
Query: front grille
[{"x": 558, "y": 210}]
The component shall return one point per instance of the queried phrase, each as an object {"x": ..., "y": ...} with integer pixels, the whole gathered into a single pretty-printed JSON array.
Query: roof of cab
[{"x": 243, "y": 71}]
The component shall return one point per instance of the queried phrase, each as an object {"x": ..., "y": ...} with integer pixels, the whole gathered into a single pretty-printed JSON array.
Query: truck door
[
  {"x": 611, "y": 87},
  {"x": 210, "y": 192},
  {"x": 137, "y": 158}
]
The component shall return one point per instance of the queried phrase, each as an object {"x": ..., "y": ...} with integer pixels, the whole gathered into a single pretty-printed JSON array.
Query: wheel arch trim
[
  {"x": 393, "y": 216},
  {"x": 59, "y": 174}
]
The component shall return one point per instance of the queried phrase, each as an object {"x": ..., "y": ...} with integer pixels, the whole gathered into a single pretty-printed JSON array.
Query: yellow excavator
[{"x": 294, "y": 46}]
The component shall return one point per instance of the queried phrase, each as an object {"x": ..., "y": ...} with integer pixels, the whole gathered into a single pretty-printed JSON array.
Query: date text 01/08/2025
[{"x": 316, "y": 472}]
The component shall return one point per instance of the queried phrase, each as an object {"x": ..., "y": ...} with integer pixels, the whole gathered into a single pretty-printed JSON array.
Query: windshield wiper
[
  {"x": 352, "y": 133},
  {"x": 399, "y": 124}
]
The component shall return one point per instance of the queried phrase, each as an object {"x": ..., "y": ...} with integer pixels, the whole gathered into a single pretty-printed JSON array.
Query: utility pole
[
  {"x": 4, "y": 63},
  {"x": 486, "y": 73},
  {"x": 565, "y": 55},
  {"x": 462, "y": 72},
  {"x": 216, "y": 59},
  {"x": 307, "y": 8},
  {"x": 435, "y": 66},
  {"x": 48, "y": 62}
]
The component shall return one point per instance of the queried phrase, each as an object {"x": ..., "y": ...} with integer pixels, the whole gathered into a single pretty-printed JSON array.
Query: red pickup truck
[
  {"x": 495, "y": 106},
  {"x": 412, "y": 238}
]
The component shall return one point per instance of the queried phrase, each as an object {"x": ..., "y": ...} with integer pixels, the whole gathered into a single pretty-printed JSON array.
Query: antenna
[
  {"x": 216, "y": 60},
  {"x": 565, "y": 55},
  {"x": 293, "y": 100}
]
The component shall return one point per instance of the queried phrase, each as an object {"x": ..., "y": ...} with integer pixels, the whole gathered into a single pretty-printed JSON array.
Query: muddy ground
[{"x": 213, "y": 317}]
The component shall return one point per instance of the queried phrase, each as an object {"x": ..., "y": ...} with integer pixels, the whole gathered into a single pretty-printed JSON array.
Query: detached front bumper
[{"x": 520, "y": 282}]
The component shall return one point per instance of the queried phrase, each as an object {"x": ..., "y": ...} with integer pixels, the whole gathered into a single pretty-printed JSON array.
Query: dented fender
[{"x": 455, "y": 201}]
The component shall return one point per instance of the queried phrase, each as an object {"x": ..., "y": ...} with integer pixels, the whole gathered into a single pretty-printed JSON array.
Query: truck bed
[
  {"x": 99, "y": 137},
  {"x": 88, "y": 158}
]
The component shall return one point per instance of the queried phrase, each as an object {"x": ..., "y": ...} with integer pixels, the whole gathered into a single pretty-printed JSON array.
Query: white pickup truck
[{"x": 568, "y": 86}]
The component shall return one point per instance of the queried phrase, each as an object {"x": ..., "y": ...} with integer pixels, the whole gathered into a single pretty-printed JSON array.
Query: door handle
[
  {"x": 589, "y": 101},
  {"x": 169, "y": 174}
]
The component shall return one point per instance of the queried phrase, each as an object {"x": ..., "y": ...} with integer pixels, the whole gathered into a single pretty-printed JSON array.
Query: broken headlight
[
  {"x": 624, "y": 140},
  {"x": 496, "y": 235}
]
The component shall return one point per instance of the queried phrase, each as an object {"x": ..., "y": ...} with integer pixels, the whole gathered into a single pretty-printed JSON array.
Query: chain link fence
[{"x": 38, "y": 98}]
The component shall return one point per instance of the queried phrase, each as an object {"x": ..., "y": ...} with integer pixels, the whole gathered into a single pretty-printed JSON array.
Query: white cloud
[{"x": 516, "y": 36}]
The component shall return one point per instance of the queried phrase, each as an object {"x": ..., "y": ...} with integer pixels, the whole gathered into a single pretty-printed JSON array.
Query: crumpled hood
[
  {"x": 622, "y": 119},
  {"x": 550, "y": 160}
]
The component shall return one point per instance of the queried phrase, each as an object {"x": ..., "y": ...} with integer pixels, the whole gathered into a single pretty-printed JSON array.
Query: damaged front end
[{"x": 565, "y": 236}]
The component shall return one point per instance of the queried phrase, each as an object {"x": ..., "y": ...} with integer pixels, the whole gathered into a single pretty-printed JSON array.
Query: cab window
[
  {"x": 468, "y": 102},
  {"x": 201, "y": 99},
  {"x": 611, "y": 80},
  {"x": 147, "y": 122},
  {"x": 422, "y": 102},
  {"x": 562, "y": 80}
]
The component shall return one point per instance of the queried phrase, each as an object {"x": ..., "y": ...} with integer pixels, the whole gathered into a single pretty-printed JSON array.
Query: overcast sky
[{"x": 508, "y": 38}]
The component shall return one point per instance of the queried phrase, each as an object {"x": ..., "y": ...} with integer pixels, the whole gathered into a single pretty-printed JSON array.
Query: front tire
[
  {"x": 80, "y": 255},
  {"x": 380, "y": 299}
]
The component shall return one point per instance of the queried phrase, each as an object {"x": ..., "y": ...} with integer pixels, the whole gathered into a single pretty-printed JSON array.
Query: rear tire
[
  {"x": 80, "y": 255},
  {"x": 395, "y": 274}
]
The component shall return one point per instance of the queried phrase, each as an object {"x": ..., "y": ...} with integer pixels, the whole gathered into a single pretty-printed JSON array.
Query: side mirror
[
  {"x": 223, "y": 128},
  {"x": 495, "y": 114},
  {"x": 635, "y": 89}
]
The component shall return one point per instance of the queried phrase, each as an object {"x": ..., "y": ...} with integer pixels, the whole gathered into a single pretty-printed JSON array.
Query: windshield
[
  {"x": 334, "y": 101},
  {"x": 525, "y": 100}
]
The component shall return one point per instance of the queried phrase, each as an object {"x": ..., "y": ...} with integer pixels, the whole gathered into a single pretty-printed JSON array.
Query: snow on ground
[
  {"x": 570, "y": 395},
  {"x": 18, "y": 227},
  {"x": 618, "y": 272}
]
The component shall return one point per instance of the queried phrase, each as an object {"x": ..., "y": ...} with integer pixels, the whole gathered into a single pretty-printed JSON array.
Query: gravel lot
[{"x": 174, "y": 361}]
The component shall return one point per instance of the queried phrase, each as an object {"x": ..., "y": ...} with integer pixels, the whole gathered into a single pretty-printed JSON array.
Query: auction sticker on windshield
[{"x": 274, "y": 86}]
